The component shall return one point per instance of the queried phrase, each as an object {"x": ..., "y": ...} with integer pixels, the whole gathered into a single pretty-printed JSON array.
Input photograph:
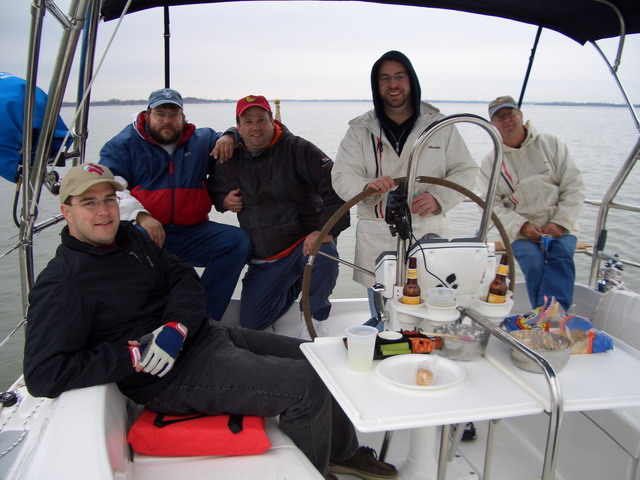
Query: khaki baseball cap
[
  {"x": 84, "y": 176},
  {"x": 502, "y": 102}
]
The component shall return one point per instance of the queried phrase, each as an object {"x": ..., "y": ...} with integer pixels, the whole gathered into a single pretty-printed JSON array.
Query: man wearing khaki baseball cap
[
  {"x": 114, "y": 307},
  {"x": 540, "y": 192},
  {"x": 89, "y": 203}
]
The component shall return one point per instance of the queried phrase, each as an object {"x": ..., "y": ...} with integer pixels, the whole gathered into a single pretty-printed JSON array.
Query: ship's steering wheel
[{"x": 308, "y": 269}]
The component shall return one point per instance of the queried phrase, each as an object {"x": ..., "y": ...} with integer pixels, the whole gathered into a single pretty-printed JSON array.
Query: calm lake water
[{"x": 599, "y": 139}]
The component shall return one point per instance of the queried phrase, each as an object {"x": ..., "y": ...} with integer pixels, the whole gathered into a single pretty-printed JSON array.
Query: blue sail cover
[{"x": 12, "y": 92}]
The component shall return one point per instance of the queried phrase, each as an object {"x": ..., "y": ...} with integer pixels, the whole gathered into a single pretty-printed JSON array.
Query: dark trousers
[
  {"x": 223, "y": 251},
  {"x": 248, "y": 372},
  {"x": 269, "y": 289}
]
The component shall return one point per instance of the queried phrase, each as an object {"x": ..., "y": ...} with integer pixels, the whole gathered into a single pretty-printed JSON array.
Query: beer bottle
[
  {"x": 498, "y": 286},
  {"x": 411, "y": 290}
]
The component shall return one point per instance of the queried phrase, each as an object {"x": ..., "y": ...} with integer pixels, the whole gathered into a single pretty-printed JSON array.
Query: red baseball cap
[{"x": 252, "y": 101}]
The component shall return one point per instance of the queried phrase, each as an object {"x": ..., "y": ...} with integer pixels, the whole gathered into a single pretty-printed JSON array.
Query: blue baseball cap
[{"x": 164, "y": 96}]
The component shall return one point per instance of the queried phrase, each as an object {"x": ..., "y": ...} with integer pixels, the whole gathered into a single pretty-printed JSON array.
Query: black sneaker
[
  {"x": 469, "y": 432},
  {"x": 365, "y": 464}
]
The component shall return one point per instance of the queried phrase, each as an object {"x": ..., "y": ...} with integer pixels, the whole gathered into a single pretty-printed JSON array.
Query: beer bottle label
[
  {"x": 493, "y": 298},
  {"x": 503, "y": 270},
  {"x": 411, "y": 300},
  {"x": 412, "y": 273}
]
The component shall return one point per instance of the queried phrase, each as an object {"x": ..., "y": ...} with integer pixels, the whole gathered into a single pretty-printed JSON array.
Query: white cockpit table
[
  {"x": 375, "y": 405},
  {"x": 596, "y": 381}
]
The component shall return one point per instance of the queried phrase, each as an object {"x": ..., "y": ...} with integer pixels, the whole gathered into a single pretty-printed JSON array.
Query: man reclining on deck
[{"x": 112, "y": 306}]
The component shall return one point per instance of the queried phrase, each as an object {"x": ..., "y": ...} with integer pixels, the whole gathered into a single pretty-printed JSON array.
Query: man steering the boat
[
  {"x": 538, "y": 199},
  {"x": 376, "y": 149},
  {"x": 112, "y": 306},
  {"x": 163, "y": 162},
  {"x": 280, "y": 187}
]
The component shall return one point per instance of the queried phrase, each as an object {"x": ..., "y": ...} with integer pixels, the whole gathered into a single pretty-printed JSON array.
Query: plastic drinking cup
[{"x": 361, "y": 341}]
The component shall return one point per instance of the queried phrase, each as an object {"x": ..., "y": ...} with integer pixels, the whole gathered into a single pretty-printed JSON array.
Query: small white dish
[
  {"x": 401, "y": 370},
  {"x": 390, "y": 335}
]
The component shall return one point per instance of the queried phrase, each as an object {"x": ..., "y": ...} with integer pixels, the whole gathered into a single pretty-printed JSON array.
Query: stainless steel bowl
[
  {"x": 555, "y": 348},
  {"x": 464, "y": 349}
]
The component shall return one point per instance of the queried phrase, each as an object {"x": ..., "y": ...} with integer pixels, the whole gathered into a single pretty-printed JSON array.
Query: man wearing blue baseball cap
[{"x": 163, "y": 161}]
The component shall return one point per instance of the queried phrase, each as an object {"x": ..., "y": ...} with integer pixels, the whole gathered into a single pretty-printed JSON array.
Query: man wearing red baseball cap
[{"x": 280, "y": 187}]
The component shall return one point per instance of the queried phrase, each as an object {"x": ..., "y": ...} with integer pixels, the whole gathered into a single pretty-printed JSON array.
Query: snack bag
[
  {"x": 584, "y": 337},
  {"x": 540, "y": 317}
]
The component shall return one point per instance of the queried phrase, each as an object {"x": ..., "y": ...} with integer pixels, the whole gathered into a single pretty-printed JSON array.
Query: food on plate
[{"x": 424, "y": 376}]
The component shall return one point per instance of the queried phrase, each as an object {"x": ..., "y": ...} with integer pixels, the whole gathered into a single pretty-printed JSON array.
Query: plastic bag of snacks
[
  {"x": 539, "y": 317},
  {"x": 584, "y": 337}
]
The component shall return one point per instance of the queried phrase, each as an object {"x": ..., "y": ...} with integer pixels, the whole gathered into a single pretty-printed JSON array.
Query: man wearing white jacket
[
  {"x": 540, "y": 192},
  {"x": 376, "y": 149}
]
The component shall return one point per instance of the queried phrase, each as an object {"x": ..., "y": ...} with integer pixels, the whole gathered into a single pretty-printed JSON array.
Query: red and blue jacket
[{"x": 170, "y": 187}]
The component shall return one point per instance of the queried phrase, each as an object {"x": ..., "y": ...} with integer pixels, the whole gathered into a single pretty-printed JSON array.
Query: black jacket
[
  {"x": 88, "y": 302},
  {"x": 286, "y": 192}
]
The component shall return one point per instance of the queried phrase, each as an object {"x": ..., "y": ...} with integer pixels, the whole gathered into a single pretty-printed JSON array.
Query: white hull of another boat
[{"x": 82, "y": 433}]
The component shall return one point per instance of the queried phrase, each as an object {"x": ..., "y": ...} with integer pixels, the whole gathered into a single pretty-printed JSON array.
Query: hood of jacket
[{"x": 416, "y": 93}]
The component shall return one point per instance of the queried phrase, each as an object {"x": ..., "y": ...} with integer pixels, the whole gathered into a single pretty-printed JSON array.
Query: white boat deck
[{"x": 516, "y": 455}]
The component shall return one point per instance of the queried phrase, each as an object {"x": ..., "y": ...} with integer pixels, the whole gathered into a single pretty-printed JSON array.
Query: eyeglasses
[
  {"x": 400, "y": 77},
  {"x": 163, "y": 116},
  {"x": 111, "y": 202},
  {"x": 504, "y": 114}
]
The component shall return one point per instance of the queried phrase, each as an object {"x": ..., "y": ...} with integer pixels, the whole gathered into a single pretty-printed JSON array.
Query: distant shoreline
[{"x": 193, "y": 100}]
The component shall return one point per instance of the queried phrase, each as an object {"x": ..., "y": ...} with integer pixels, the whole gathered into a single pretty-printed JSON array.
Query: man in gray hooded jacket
[{"x": 376, "y": 149}]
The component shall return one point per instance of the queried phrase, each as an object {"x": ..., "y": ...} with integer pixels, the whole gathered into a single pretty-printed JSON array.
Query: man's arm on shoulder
[{"x": 225, "y": 144}]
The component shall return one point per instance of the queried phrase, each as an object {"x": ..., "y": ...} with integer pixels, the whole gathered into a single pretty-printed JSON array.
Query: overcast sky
[{"x": 324, "y": 50}]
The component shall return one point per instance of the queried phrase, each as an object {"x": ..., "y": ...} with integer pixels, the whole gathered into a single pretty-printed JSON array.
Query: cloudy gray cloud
[{"x": 325, "y": 50}]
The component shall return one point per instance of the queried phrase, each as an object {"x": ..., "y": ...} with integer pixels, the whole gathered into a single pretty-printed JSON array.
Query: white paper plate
[{"x": 401, "y": 370}]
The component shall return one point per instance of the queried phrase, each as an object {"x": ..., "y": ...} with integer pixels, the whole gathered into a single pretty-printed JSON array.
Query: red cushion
[{"x": 195, "y": 435}]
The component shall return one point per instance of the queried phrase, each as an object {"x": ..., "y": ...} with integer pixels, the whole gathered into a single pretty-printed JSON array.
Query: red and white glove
[{"x": 158, "y": 350}]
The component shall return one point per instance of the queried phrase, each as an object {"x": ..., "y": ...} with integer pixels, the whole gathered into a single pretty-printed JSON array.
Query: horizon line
[{"x": 198, "y": 100}]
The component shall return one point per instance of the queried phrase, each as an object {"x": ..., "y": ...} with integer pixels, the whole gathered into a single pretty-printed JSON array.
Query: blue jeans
[
  {"x": 554, "y": 275},
  {"x": 269, "y": 289},
  {"x": 223, "y": 251},
  {"x": 247, "y": 372}
]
